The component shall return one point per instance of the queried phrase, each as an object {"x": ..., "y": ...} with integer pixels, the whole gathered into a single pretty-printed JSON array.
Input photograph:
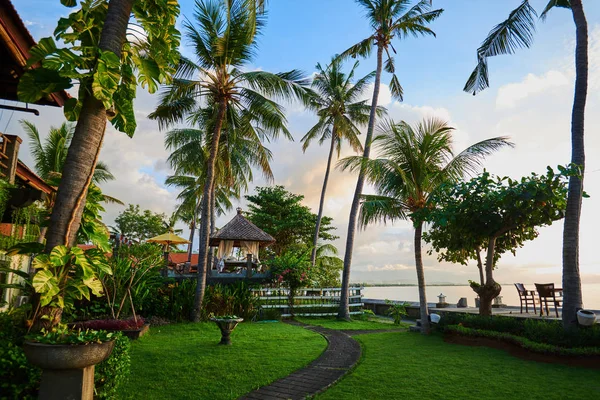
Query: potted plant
[
  {"x": 586, "y": 317},
  {"x": 66, "y": 357},
  {"x": 226, "y": 324}
]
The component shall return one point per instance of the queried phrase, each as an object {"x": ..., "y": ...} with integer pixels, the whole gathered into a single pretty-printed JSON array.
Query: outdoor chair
[
  {"x": 526, "y": 297},
  {"x": 547, "y": 292}
]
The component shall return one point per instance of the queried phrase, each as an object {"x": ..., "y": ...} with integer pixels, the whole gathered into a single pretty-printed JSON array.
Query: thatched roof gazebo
[{"x": 244, "y": 235}]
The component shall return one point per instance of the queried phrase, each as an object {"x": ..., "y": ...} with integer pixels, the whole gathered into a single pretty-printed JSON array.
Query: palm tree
[
  {"x": 340, "y": 114},
  {"x": 414, "y": 161},
  {"x": 49, "y": 157},
  {"x": 388, "y": 19},
  {"x": 224, "y": 39},
  {"x": 517, "y": 32}
]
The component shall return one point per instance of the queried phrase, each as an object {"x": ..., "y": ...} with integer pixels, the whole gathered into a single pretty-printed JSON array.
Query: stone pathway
[{"x": 339, "y": 358}]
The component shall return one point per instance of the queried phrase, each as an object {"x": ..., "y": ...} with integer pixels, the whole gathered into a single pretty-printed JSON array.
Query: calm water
[{"x": 591, "y": 294}]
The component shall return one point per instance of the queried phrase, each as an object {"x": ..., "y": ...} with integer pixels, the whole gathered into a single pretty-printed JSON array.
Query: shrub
[
  {"x": 21, "y": 380},
  {"x": 234, "y": 299},
  {"x": 113, "y": 372},
  {"x": 113, "y": 324},
  {"x": 172, "y": 300},
  {"x": 540, "y": 331}
]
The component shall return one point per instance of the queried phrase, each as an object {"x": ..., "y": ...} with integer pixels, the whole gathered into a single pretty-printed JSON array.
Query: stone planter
[
  {"x": 67, "y": 370},
  {"x": 226, "y": 325},
  {"x": 586, "y": 318},
  {"x": 134, "y": 334}
]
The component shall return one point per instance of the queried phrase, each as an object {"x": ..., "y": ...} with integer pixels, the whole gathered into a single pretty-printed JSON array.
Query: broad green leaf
[
  {"x": 79, "y": 290},
  {"x": 39, "y": 82},
  {"x": 95, "y": 285},
  {"x": 46, "y": 283},
  {"x": 38, "y": 52},
  {"x": 106, "y": 78},
  {"x": 72, "y": 108},
  {"x": 60, "y": 255},
  {"x": 25, "y": 248},
  {"x": 68, "y": 3},
  {"x": 41, "y": 262}
]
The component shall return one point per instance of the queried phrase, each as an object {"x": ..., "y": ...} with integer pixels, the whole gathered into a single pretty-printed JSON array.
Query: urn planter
[
  {"x": 226, "y": 325},
  {"x": 586, "y": 318},
  {"x": 67, "y": 369}
]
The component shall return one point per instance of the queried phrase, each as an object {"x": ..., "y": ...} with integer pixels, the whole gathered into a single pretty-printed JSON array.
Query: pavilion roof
[{"x": 240, "y": 229}]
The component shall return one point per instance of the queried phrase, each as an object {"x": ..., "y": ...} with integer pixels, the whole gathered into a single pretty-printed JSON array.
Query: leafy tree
[
  {"x": 414, "y": 162},
  {"x": 281, "y": 214},
  {"x": 389, "y": 19},
  {"x": 328, "y": 266},
  {"x": 517, "y": 32},
  {"x": 493, "y": 216},
  {"x": 340, "y": 115},
  {"x": 224, "y": 37},
  {"x": 139, "y": 225},
  {"x": 107, "y": 64}
]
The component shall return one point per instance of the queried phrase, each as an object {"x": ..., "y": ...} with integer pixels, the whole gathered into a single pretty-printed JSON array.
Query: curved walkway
[{"x": 341, "y": 356}]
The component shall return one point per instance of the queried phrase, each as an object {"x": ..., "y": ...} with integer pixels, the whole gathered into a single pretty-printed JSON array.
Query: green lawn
[
  {"x": 407, "y": 365},
  {"x": 371, "y": 324},
  {"x": 184, "y": 361}
]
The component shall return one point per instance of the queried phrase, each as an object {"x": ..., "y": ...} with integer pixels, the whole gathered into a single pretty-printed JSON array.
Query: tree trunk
[
  {"x": 213, "y": 226},
  {"x": 205, "y": 217},
  {"x": 490, "y": 290},
  {"x": 87, "y": 139},
  {"x": 344, "y": 311},
  {"x": 480, "y": 266},
  {"x": 571, "y": 278},
  {"x": 425, "y": 326},
  {"x": 313, "y": 257}
]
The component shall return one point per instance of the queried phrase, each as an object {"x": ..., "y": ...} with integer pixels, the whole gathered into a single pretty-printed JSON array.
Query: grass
[
  {"x": 409, "y": 365},
  {"x": 184, "y": 361},
  {"x": 355, "y": 324}
]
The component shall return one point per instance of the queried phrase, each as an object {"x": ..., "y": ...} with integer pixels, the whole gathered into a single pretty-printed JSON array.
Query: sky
[{"x": 529, "y": 99}]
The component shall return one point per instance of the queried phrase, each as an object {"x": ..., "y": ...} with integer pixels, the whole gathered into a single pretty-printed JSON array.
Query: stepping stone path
[{"x": 341, "y": 356}]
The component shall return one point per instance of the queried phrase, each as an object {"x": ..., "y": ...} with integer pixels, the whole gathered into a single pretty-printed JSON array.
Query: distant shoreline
[{"x": 408, "y": 284}]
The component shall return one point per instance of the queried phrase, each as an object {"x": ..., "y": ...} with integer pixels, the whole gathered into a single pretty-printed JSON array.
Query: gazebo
[{"x": 239, "y": 233}]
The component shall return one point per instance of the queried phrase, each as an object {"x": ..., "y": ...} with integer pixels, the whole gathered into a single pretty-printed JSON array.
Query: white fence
[{"x": 309, "y": 302}]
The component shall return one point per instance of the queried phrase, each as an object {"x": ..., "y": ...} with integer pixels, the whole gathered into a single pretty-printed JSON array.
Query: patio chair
[
  {"x": 526, "y": 297},
  {"x": 547, "y": 292}
]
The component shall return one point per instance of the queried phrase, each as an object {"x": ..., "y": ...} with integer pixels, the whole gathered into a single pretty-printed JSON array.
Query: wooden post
[{"x": 249, "y": 266}]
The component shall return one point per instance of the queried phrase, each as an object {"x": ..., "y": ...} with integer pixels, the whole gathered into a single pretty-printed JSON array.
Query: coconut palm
[
  {"x": 340, "y": 113},
  {"x": 49, "y": 157},
  {"x": 224, "y": 36},
  {"x": 505, "y": 38},
  {"x": 413, "y": 162},
  {"x": 389, "y": 19}
]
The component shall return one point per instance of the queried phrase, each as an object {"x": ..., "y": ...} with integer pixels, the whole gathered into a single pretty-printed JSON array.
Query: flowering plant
[{"x": 291, "y": 269}]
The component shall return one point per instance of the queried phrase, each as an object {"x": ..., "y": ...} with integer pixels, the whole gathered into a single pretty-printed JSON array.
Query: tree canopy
[
  {"x": 140, "y": 225},
  {"x": 281, "y": 214}
]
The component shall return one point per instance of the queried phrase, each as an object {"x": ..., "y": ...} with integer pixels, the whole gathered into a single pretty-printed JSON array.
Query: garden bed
[{"x": 515, "y": 348}]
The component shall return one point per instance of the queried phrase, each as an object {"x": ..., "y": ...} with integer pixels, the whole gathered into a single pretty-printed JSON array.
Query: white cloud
[{"x": 512, "y": 94}]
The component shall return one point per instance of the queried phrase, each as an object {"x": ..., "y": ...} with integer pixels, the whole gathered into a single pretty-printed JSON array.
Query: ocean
[{"x": 591, "y": 294}]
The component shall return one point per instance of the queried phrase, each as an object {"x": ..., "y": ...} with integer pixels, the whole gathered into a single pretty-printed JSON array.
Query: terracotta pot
[
  {"x": 67, "y": 356},
  {"x": 226, "y": 325}
]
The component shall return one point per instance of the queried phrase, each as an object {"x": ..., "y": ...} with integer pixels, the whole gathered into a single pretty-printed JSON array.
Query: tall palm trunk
[
  {"x": 205, "y": 217},
  {"x": 213, "y": 227},
  {"x": 87, "y": 139},
  {"x": 425, "y": 328},
  {"x": 344, "y": 311},
  {"x": 313, "y": 257},
  {"x": 571, "y": 278}
]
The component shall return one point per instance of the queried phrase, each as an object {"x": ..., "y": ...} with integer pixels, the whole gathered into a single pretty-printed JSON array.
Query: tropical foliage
[
  {"x": 493, "y": 215},
  {"x": 505, "y": 38},
  {"x": 414, "y": 161},
  {"x": 138, "y": 225},
  {"x": 340, "y": 113},
  {"x": 388, "y": 20},
  {"x": 224, "y": 36}
]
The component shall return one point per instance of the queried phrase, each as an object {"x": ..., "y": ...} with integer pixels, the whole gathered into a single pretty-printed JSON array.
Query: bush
[
  {"x": 539, "y": 331},
  {"x": 113, "y": 372},
  {"x": 235, "y": 299},
  {"x": 20, "y": 380},
  {"x": 113, "y": 324},
  {"x": 173, "y": 300}
]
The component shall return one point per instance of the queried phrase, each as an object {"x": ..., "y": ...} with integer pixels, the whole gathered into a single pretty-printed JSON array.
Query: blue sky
[{"x": 529, "y": 99}]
